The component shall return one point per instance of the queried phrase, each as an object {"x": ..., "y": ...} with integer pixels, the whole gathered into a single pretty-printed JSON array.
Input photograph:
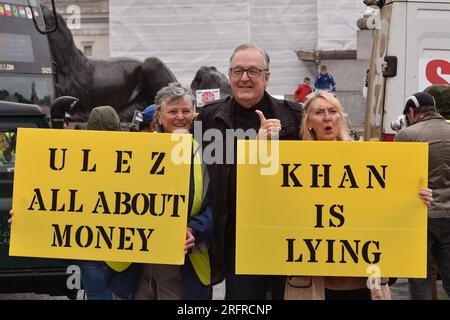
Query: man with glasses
[{"x": 251, "y": 109}]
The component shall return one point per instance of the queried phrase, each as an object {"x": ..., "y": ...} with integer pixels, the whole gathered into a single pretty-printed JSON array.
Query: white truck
[{"x": 410, "y": 51}]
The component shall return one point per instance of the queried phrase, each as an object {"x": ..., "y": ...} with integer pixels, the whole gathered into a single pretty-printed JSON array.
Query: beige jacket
[{"x": 313, "y": 288}]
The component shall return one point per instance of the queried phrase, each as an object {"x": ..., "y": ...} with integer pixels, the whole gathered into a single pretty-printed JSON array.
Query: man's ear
[
  {"x": 411, "y": 115},
  {"x": 266, "y": 80}
]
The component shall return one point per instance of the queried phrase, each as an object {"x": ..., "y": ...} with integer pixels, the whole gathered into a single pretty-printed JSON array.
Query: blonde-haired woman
[{"x": 325, "y": 120}]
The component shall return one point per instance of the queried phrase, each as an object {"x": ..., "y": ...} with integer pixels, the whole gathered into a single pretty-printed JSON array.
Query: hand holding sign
[
  {"x": 427, "y": 196},
  {"x": 10, "y": 216},
  {"x": 269, "y": 128},
  {"x": 190, "y": 240}
]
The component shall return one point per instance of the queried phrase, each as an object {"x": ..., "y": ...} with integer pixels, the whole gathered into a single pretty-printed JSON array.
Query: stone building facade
[{"x": 89, "y": 23}]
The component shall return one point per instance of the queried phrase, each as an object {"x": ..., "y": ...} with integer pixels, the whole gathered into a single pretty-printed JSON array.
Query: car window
[{"x": 7, "y": 152}]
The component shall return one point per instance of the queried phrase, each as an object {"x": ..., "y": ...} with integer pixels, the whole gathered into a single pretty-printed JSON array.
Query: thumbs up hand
[{"x": 269, "y": 128}]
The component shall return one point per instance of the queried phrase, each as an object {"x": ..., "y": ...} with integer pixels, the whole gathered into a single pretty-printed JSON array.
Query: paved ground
[
  {"x": 399, "y": 291},
  {"x": 34, "y": 296}
]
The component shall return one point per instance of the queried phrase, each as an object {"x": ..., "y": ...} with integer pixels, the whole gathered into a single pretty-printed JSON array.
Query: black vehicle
[
  {"x": 25, "y": 63},
  {"x": 26, "y": 93}
]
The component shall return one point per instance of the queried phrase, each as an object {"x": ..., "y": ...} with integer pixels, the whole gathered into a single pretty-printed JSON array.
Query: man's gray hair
[{"x": 252, "y": 46}]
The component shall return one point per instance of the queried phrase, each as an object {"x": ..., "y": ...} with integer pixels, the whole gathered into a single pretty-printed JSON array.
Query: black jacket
[{"x": 219, "y": 115}]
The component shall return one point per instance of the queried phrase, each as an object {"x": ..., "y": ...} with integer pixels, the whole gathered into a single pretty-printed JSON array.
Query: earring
[{"x": 309, "y": 129}]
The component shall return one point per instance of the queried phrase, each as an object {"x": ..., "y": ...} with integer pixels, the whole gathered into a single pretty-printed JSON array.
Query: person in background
[
  {"x": 303, "y": 90},
  {"x": 441, "y": 95},
  {"x": 67, "y": 119},
  {"x": 425, "y": 124},
  {"x": 325, "y": 81},
  {"x": 324, "y": 120},
  {"x": 95, "y": 274},
  {"x": 148, "y": 116},
  {"x": 251, "y": 109}
]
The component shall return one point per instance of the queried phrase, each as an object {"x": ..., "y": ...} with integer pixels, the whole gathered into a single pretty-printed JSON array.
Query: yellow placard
[
  {"x": 97, "y": 195},
  {"x": 332, "y": 208}
]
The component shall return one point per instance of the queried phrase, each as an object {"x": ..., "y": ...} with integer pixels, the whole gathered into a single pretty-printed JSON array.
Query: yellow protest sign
[
  {"x": 333, "y": 208},
  {"x": 97, "y": 195}
]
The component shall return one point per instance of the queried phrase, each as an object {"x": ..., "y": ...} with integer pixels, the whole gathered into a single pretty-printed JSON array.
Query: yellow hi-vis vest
[
  {"x": 199, "y": 255},
  {"x": 118, "y": 266}
]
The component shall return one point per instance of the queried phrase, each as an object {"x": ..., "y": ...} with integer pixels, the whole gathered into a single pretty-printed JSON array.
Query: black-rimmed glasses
[{"x": 251, "y": 72}]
